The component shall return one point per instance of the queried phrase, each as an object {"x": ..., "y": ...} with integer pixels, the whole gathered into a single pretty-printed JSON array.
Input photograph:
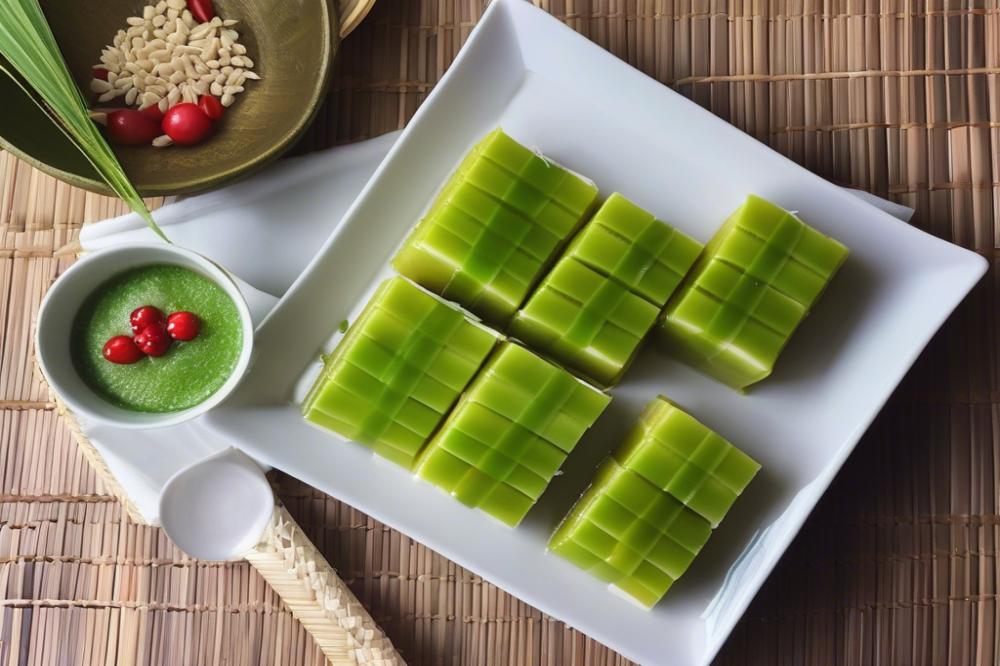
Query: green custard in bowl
[{"x": 189, "y": 372}]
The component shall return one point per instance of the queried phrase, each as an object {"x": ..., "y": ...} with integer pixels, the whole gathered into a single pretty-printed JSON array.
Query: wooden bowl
[{"x": 292, "y": 43}]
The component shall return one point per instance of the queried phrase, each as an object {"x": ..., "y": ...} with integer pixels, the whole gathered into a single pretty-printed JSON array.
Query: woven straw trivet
[{"x": 898, "y": 565}]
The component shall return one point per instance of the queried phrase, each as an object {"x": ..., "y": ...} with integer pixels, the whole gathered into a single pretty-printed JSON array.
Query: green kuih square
[
  {"x": 678, "y": 454},
  {"x": 758, "y": 277},
  {"x": 495, "y": 227},
  {"x": 509, "y": 433},
  {"x": 398, "y": 370},
  {"x": 585, "y": 320},
  {"x": 631, "y": 534},
  {"x": 629, "y": 245}
]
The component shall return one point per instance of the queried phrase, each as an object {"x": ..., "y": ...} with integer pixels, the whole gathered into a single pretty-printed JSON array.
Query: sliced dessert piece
[
  {"x": 585, "y": 320},
  {"x": 398, "y": 371},
  {"x": 629, "y": 245},
  {"x": 758, "y": 277},
  {"x": 495, "y": 227},
  {"x": 629, "y": 533},
  {"x": 676, "y": 453},
  {"x": 510, "y": 433}
]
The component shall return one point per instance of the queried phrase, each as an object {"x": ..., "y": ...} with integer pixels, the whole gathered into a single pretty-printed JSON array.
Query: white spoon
[{"x": 217, "y": 508}]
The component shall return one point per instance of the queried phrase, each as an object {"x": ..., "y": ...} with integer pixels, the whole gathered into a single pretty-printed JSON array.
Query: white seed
[
  {"x": 161, "y": 6},
  {"x": 173, "y": 96},
  {"x": 159, "y": 33},
  {"x": 99, "y": 86},
  {"x": 225, "y": 60},
  {"x": 201, "y": 68},
  {"x": 247, "y": 62},
  {"x": 201, "y": 31},
  {"x": 227, "y": 99},
  {"x": 159, "y": 56},
  {"x": 135, "y": 20},
  {"x": 162, "y": 141},
  {"x": 200, "y": 88},
  {"x": 216, "y": 89},
  {"x": 177, "y": 76},
  {"x": 123, "y": 83},
  {"x": 213, "y": 64},
  {"x": 172, "y": 14},
  {"x": 176, "y": 4},
  {"x": 112, "y": 77},
  {"x": 239, "y": 61},
  {"x": 232, "y": 90},
  {"x": 226, "y": 40},
  {"x": 158, "y": 21},
  {"x": 227, "y": 70},
  {"x": 164, "y": 69},
  {"x": 99, "y": 117},
  {"x": 189, "y": 96},
  {"x": 238, "y": 49},
  {"x": 233, "y": 35},
  {"x": 163, "y": 105},
  {"x": 108, "y": 96},
  {"x": 156, "y": 89},
  {"x": 233, "y": 76},
  {"x": 131, "y": 95},
  {"x": 229, "y": 22},
  {"x": 148, "y": 12},
  {"x": 216, "y": 22}
]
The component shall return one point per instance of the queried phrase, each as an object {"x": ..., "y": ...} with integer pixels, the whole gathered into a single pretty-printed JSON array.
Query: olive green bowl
[{"x": 292, "y": 43}]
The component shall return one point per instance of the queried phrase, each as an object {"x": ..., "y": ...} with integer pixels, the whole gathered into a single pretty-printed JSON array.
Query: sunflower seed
[
  {"x": 99, "y": 86},
  {"x": 216, "y": 89},
  {"x": 131, "y": 95},
  {"x": 227, "y": 99},
  {"x": 162, "y": 141}
]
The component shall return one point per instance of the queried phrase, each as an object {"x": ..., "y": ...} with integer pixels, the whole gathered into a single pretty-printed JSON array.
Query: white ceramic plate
[{"x": 550, "y": 87}]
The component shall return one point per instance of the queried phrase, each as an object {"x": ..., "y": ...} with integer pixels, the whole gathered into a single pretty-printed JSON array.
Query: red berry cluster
[{"x": 152, "y": 334}]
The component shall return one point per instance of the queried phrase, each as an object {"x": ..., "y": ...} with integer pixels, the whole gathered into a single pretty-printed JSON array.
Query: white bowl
[{"x": 63, "y": 300}]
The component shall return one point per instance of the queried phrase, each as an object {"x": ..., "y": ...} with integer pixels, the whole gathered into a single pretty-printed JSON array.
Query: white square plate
[{"x": 547, "y": 86}]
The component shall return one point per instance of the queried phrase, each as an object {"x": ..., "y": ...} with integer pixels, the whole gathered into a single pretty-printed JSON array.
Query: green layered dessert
[
  {"x": 629, "y": 533},
  {"x": 585, "y": 321},
  {"x": 510, "y": 433},
  {"x": 758, "y": 277},
  {"x": 495, "y": 227},
  {"x": 398, "y": 371},
  {"x": 595, "y": 307},
  {"x": 630, "y": 246},
  {"x": 679, "y": 455}
]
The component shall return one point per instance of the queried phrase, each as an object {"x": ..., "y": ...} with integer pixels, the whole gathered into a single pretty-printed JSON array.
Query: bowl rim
[{"x": 331, "y": 44}]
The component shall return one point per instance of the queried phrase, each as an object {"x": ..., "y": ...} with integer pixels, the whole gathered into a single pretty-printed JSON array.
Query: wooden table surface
[{"x": 898, "y": 565}]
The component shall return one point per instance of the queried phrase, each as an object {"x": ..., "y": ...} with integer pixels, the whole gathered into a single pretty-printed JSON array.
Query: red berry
[
  {"x": 186, "y": 123},
  {"x": 147, "y": 315},
  {"x": 131, "y": 128},
  {"x": 201, "y": 10},
  {"x": 153, "y": 340},
  {"x": 183, "y": 326},
  {"x": 211, "y": 106},
  {"x": 100, "y": 73},
  {"x": 121, "y": 349},
  {"x": 153, "y": 111}
]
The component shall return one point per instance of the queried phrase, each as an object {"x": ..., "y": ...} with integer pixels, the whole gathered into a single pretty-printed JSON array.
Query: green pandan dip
[{"x": 189, "y": 372}]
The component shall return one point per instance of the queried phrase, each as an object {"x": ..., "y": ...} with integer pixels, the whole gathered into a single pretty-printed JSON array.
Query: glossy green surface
[
  {"x": 629, "y": 245},
  {"x": 189, "y": 372},
  {"x": 678, "y": 454},
  {"x": 585, "y": 321},
  {"x": 758, "y": 277},
  {"x": 629, "y": 533},
  {"x": 510, "y": 433},
  {"x": 398, "y": 371},
  {"x": 495, "y": 227}
]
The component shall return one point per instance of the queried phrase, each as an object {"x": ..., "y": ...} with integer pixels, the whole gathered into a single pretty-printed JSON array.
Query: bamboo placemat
[{"x": 897, "y": 566}]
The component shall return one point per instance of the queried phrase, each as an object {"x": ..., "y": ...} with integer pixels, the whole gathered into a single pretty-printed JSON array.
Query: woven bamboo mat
[{"x": 897, "y": 566}]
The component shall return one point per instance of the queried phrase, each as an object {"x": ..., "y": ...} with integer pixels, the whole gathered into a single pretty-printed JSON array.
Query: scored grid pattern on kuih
[
  {"x": 629, "y": 533},
  {"x": 585, "y": 320},
  {"x": 759, "y": 277},
  {"x": 510, "y": 433},
  {"x": 629, "y": 245},
  {"x": 676, "y": 453},
  {"x": 398, "y": 370},
  {"x": 495, "y": 227}
]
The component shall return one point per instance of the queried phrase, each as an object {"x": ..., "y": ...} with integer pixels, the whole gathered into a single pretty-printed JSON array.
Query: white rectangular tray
[{"x": 550, "y": 87}]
